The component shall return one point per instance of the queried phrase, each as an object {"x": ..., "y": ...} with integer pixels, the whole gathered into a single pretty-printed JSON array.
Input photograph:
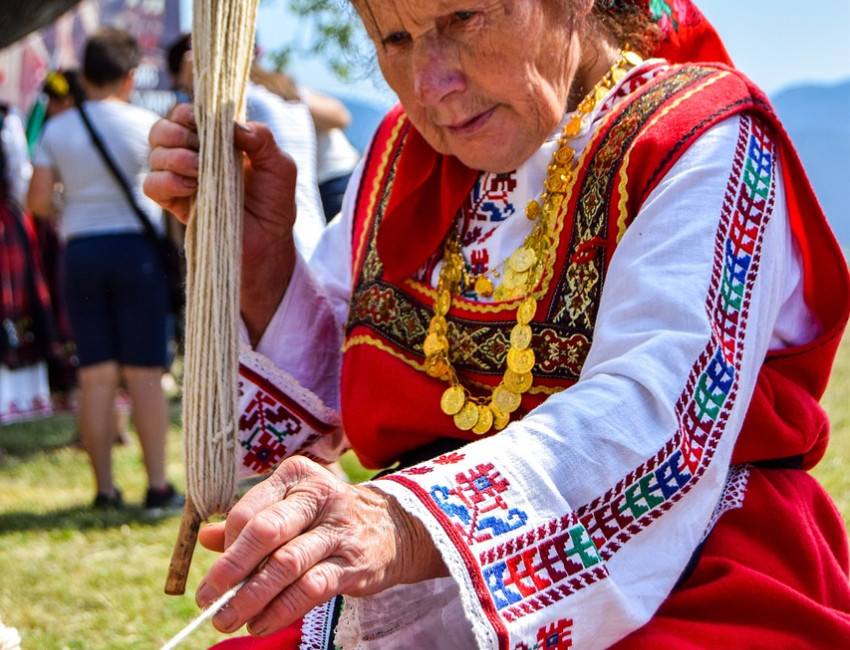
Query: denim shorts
[{"x": 117, "y": 300}]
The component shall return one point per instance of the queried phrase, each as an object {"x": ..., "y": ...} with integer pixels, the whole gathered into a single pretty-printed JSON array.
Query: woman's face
[{"x": 484, "y": 80}]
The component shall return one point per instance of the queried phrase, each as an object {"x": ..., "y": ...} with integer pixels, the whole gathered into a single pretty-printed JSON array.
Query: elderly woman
[{"x": 583, "y": 243}]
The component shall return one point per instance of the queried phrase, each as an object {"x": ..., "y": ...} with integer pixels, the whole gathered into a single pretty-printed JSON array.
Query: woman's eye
[
  {"x": 465, "y": 15},
  {"x": 396, "y": 38}
]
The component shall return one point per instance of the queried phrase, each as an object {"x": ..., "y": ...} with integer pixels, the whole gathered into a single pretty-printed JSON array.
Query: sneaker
[
  {"x": 159, "y": 502},
  {"x": 108, "y": 501}
]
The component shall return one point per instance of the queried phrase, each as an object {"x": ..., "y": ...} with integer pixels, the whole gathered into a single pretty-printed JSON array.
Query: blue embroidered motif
[{"x": 476, "y": 505}]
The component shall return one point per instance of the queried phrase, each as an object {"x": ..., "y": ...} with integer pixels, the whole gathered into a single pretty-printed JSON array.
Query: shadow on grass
[
  {"x": 29, "y": 438},
  {"x": 26, "y": 439},
  {"x": 80, "y": 518}
]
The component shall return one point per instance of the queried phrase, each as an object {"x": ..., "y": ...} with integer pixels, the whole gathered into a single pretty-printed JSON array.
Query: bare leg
[
  {"x": 150, "y": 416},
  {"x": 122, "y": 417},
  {"x": 96, "y": 421}
]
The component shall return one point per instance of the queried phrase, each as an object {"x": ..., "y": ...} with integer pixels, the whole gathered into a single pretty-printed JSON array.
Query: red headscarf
[{"x": 430, "y": 187}]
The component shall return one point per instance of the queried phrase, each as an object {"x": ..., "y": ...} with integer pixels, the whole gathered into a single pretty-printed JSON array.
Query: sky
[{"x": 777, "y": 43}]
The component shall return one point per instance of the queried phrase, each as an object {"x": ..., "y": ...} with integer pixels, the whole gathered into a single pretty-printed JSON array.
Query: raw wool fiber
[{"x": 222, "y": 47}]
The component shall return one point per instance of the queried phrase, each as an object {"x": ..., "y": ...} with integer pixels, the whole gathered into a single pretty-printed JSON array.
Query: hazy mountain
[{"x": 817, "y": 118}]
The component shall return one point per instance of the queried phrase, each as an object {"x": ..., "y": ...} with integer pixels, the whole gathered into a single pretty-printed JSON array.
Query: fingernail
[
  {"x": 243, "y": 126},
  {"x": 205, "y": 595},
  {"x": 191, "y": 183},
  {"x": 257, "y": 628},
  {"x": 196, "y": 162},
  {"x": 226, "y": 617}
]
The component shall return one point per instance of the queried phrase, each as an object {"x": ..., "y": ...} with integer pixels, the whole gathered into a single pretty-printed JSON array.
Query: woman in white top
[{"x": 115, "y": 288}]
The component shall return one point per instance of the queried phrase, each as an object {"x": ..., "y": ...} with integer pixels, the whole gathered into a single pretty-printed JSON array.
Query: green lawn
[
  {"x": 834, "y": 470},
  {"x": 78, "y": 580}
]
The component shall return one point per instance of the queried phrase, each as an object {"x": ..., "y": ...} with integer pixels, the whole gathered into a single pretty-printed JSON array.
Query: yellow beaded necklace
[{"x": 523, "y": 270}]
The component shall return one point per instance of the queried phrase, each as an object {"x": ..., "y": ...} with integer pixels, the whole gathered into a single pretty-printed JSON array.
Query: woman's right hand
[{"x": 268, "y": 248}]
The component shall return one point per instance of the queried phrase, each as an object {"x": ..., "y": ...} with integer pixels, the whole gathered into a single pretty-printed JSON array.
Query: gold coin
[
  {"x": 516, "y": 382},
  {"x": 522, "y": 259},
  {"x": 503, "y": 294},
  {"x": 438, "y": 325},
  {"x": 452, "y": 274},
  {"x": 483, "y": 286},
  {"x": 436, "y": 367},
  {"x": 553, "y": 204},
  {"x": 485, "y": 420},
  {"x": 521, "y": 336},
  {"x": 573, "y": 126},
  {"x": 532, "y": 210},
  {"x": 526, "y": 311},
  {"x": 504, "y": 400},
  {"x": 453, "y": 400},
  {"x": 513, "y": 279},
  {"x": 556, "y": 184},
  {"x": 521, "y": 361},
  {"x": 632, "y": 58},
  {"x": 600, "y": 93},
  {"x": 618, "y": 74},
  {"x": 442, "y": 303},
  {"x": 435, "y": 344},
  {"x": 468, "y": 416},
  {"x": 534, "y": 276},
  {"x": 564, "y": 155},
  {"x": 500, "y": 420}
]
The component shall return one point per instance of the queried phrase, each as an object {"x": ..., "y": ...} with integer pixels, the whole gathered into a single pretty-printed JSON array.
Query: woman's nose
[{"x": 437, "y": 72}]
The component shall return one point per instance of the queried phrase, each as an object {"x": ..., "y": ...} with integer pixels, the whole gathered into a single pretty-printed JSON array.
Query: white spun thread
[
  {"x": 222, "y": 49},
  {"x": 208, "y": 613}
]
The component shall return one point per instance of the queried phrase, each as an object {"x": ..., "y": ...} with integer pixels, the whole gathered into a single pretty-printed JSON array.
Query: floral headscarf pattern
[{"x": 688, "y": 36}]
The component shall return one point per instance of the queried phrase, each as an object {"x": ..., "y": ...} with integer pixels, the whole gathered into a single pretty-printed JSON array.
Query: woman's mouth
[{"x": 472, "y": 125}]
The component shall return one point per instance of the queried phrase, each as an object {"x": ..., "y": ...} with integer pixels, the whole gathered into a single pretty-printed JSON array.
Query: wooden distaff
[
  {"x": 223, "y": 45},
  {"x": 184, "y": 548}
]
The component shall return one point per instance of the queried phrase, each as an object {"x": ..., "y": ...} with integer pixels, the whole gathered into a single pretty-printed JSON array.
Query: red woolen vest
[{"x": 390, "y": 406}]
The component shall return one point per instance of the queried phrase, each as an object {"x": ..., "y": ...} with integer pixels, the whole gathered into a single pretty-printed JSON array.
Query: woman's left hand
[{"x": 312, "y": 536}]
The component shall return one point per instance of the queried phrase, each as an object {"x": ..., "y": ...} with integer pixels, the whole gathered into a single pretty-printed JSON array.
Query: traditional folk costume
[
  {"x": 27, "y": 335},
  {"x": 650, "y": 489}
]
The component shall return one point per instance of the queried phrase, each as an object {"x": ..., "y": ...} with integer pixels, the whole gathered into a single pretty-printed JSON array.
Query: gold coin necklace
[{"x": 523, "y": 270}]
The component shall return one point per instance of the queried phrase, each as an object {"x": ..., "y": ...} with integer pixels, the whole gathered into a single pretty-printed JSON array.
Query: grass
[
  {"x": 834, "y": 470},
  {"x": 73, "y": 579}
]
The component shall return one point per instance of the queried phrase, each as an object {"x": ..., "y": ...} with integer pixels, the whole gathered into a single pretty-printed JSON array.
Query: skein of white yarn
[{"x": 222, "y": 49}]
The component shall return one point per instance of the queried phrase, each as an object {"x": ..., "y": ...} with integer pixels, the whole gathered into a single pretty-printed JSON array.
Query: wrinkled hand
[
  {"x": 268, "y": 255},
  {"x": 313, "y": 536}
]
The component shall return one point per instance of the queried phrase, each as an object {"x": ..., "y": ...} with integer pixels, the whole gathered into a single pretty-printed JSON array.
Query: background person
[
  {"x": 271, "y": 98},
  {"x": 57, "y": 98},
  {"x": 114, "y": 287},
  {"x": 608, "y": 275},
  {"x": 267, "y": 100},
  {"x": 62, "y": 91},
  {"x": 336, "y": 157},
  {"x": 27, "y": 335}
]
